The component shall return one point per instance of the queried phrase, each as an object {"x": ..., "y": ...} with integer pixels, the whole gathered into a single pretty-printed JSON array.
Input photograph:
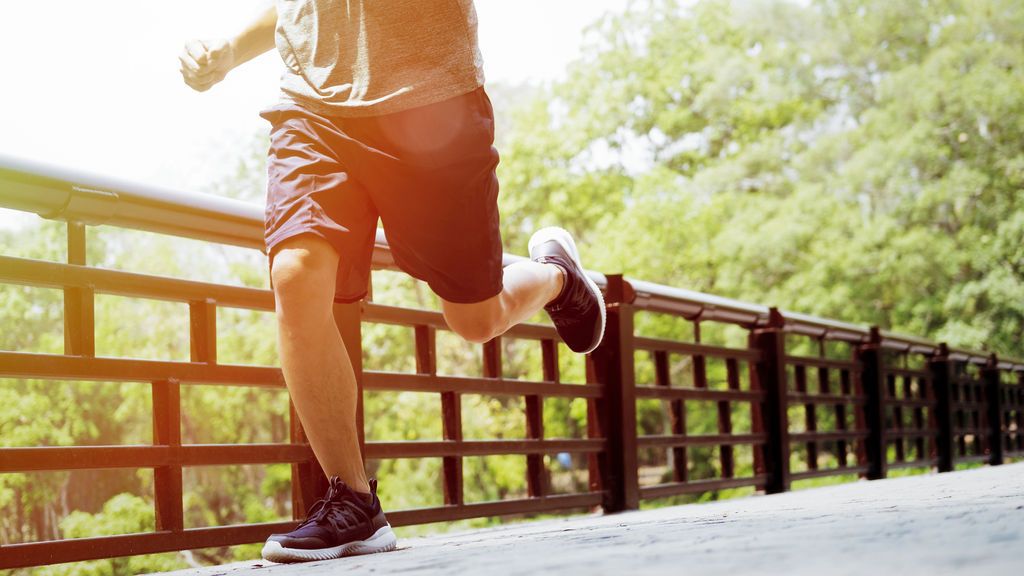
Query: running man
[{"x": 383, "y": 115}]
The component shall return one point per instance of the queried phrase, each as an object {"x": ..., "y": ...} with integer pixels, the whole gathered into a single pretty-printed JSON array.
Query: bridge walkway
[{"x": 966, "y": 522}]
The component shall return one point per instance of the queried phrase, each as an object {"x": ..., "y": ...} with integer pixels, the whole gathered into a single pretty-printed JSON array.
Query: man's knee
[
  {"x": 303, "y": 267},
  {"x": 478, "y": 322}
]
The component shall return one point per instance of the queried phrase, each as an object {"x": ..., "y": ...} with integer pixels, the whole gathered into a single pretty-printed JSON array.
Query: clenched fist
[{"x": 206, "y": 62}]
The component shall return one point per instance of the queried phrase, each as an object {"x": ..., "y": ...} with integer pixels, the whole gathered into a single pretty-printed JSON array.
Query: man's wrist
[{"x": 234, "y": 54}]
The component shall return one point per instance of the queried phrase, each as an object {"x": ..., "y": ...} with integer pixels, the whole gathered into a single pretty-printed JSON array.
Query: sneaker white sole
[
  {"x": 564, "y": 239},
  {"x": 383, "y": 540}
]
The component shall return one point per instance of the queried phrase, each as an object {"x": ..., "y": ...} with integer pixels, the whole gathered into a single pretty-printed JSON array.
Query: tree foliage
[{"x": 853, "y": 159}]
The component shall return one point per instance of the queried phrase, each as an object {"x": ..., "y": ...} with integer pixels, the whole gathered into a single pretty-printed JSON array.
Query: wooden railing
[{"x": 824, "y": 397}]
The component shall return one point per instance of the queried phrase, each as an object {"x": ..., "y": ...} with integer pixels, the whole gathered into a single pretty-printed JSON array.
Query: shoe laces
[{"x": 341, "y": 507}]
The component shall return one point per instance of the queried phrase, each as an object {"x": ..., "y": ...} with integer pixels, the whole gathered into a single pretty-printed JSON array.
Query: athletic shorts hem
[
  {"x": 283, "y": 234},
  {"x": 462, "y": 297}
]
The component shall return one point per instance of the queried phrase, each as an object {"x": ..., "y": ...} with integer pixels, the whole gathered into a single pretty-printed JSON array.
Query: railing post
[
  {"x": 874, "y": 386},
  {"x": 1017, "y": 394},
  {"x": 771, "y": 377},
  {"x": 942, "y": 381},
  {"x": 994, "y": 399},
  {"x": 613, "y": 368}
]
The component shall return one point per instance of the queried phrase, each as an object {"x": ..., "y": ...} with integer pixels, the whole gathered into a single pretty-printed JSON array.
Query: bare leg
[
  {"x": 528, "y": 287},
  {"x": 316, "y": 367}
]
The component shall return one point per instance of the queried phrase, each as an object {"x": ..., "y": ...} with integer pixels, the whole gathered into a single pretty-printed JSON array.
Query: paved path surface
[{"x": 969, "y": 522}]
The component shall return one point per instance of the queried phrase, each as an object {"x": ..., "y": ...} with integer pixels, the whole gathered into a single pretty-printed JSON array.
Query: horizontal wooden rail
[
  {"x": 77, "y": 549},
  {"x": 64, "y": 367},
  {"x": 826, "y": 472},
  {"x": 818, "y": 362},
  {"x": 806, "y": 398},
  {"x": 698, "y": 486},
  {"x": 398, "y": 381},
  {"x": 828, "y": 436},
  {"x": 432, "y": 449},
  {"x": 130, "y": 284},
  {"x": 653, "y": 344},
  {"x": 147, "y": 456},
  {"x": 501, "y": 508},
  {"x": 700, "y": 440},
  {"x": 699, "y": 394}
]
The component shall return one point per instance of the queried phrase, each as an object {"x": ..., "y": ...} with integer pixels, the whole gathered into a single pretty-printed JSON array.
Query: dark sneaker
[
  {"x": 578, "y": 311},
  {"x": 342, "y": 524}
]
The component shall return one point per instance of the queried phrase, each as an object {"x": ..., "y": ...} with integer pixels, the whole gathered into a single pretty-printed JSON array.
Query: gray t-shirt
[{"x": 371, "y": 57}]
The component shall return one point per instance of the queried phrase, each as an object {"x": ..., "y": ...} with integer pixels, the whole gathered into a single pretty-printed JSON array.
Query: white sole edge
[
  {"x": 383, "y": 540},
  {"x": 564, "y": 239}
]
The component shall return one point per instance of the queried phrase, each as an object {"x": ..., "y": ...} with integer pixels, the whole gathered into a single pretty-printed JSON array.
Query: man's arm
[{"x": 206, "y": 62}]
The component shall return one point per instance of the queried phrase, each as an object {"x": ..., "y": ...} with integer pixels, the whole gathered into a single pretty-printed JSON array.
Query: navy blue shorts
[{"x": 427, "y": 173}]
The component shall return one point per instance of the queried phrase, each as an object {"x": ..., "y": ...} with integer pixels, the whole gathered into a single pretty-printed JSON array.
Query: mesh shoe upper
[
  {"x": 578, "y": 311},
  {"x": 341, "y": 516}
]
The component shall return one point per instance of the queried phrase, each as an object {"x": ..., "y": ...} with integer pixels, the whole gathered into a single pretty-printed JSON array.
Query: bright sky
[{"x": 95, "y": 85}]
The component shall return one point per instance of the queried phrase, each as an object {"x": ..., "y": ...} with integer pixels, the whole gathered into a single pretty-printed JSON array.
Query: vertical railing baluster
[
  {"x": 825, "y": 388},
  {"x": 677, "y": 416},
  {"x": 891, "y": 382},
  {"x": 536, "y": 477},
  {"x": 770, "y": 341},
  {"x": 597, "y": 427},
  {"x": 203, "y": 331},
  {"x": 549, "y": 361},
  {"x": 994, "y": 397},
  {"x": 700, "y": 367},
  {"x": 726, "y": 458},
  {"x": 426, "y": 350},
  {"x": 920, "y": 448},
  {"x": 451, "y": 415},
  {"x": 845, "y": 389},
  {"x": 167, "y": 433},
  {"x": 613, "y": 367},
  {"x": 757, "y": 425},
  {"x": 79, "y": 303},
  {"x": 536, "y": 484},
  {"x": 492, "y": 358},
  {"x": 810, "y": 417}
]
